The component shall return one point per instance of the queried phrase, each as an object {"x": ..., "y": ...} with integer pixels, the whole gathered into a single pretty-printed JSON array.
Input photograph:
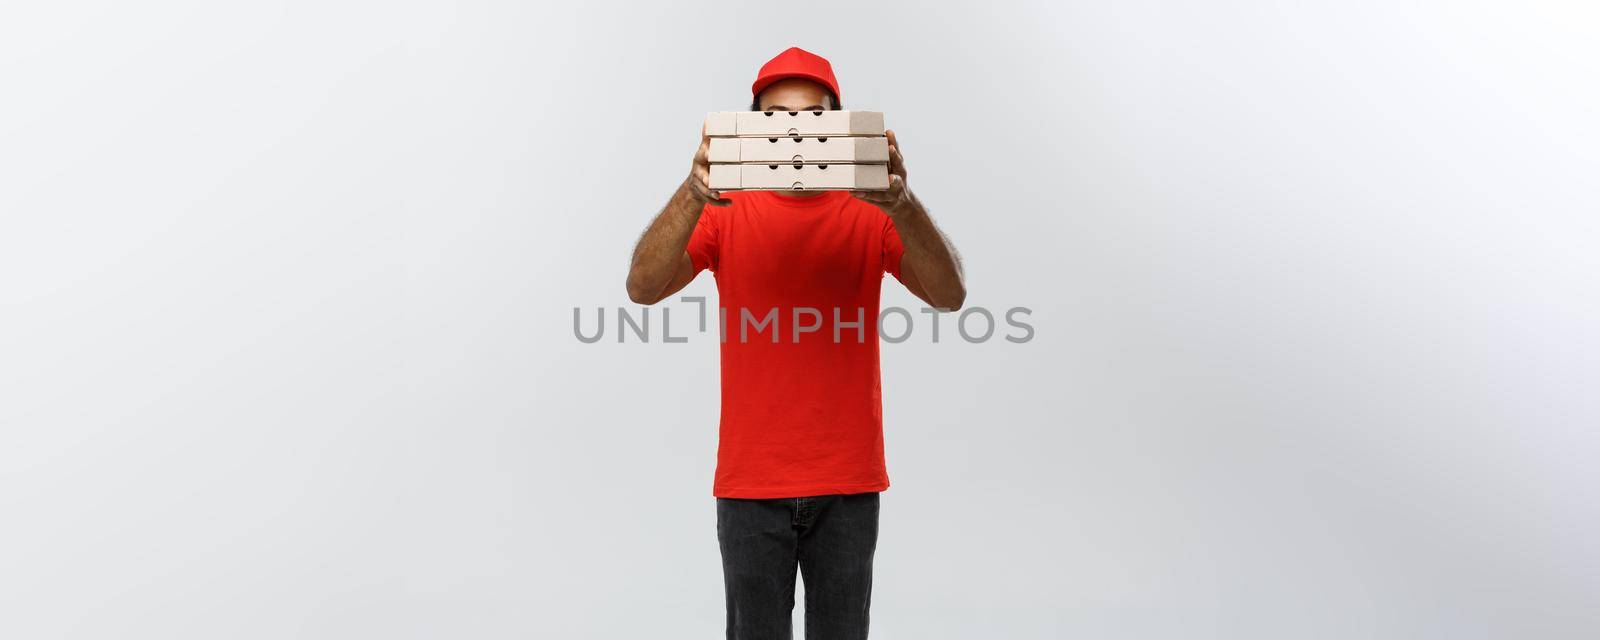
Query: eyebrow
[{"x": 779, "y": 107}]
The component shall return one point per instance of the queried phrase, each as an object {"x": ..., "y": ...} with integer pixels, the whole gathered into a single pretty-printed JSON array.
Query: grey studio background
[{"x": 287, "y": 291}]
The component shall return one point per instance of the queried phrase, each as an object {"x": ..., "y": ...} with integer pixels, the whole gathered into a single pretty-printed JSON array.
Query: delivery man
[{"x": 800, "y": 460}]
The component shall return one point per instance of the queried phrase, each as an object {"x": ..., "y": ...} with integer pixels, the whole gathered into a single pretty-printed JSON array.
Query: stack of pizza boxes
[{"x": 797, "y": 150}]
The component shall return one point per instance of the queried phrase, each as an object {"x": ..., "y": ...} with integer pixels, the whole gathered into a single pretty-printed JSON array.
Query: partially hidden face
[{"x": 794, "y": 94}]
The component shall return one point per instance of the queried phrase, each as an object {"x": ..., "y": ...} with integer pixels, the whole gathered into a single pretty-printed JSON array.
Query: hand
[
  {"x": 699, "y": 180},
  {"x": 897, "y": 199}
]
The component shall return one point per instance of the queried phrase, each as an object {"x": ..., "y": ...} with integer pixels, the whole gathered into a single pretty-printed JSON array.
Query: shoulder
[
  {"x": 867, "y": 213},
  {"x": 742, "y": 198},
  {"x": 738, "y": 200}
]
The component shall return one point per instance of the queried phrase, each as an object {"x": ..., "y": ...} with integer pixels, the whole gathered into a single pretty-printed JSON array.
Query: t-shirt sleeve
[
  {"x": 704, "y": 244},
  {"x": 892, "y": 249}
]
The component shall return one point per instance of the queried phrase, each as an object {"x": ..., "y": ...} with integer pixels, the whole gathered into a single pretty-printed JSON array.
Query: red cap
[{"x": 795, "y": 62}]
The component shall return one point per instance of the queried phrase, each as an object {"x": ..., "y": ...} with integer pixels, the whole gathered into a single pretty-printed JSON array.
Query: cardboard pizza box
[
  {"x": 864, "y": 177},
  {"x": 806, "y": 124},
  {"x": 802, "y": 150}
]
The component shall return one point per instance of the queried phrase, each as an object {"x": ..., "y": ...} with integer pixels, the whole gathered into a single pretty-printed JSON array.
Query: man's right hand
[
  {"x": 699, "y": 181},
  {"x": 661, "y": 263}
]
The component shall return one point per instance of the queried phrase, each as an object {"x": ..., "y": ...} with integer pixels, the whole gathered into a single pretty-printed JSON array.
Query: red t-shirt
[{"x": 799, "y": 418}]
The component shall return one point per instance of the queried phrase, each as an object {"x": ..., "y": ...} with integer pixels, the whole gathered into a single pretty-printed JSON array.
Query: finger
[
  {"x": 897, "y": 162},
  {"x": 712, "y": 198},
  {"x": 891, "y": 194},
  {"x": 700, "y": 187}
]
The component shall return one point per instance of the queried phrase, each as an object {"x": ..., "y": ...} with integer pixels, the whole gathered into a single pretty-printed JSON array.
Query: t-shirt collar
[{"x": 808, "y": 201}]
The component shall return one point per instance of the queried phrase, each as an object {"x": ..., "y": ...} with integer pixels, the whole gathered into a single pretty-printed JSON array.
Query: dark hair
[{"x": 833, "y": 101}]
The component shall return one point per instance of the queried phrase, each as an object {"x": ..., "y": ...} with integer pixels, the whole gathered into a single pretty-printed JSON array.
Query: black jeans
[{"x": 831, "y": 539}]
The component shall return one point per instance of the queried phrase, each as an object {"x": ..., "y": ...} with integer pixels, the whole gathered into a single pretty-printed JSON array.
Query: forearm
[
  {"x": 656, "y": 258},
  {"x": 929, "y": 255}
]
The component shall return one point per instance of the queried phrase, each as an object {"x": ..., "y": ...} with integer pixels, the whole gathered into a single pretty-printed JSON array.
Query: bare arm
[
  {"x": 930, "y": 267},
  {"x": 660, "y": 266}
]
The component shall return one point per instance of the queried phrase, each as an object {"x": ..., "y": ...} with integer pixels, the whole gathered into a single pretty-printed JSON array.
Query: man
[{"x": 800, "y": 451}]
